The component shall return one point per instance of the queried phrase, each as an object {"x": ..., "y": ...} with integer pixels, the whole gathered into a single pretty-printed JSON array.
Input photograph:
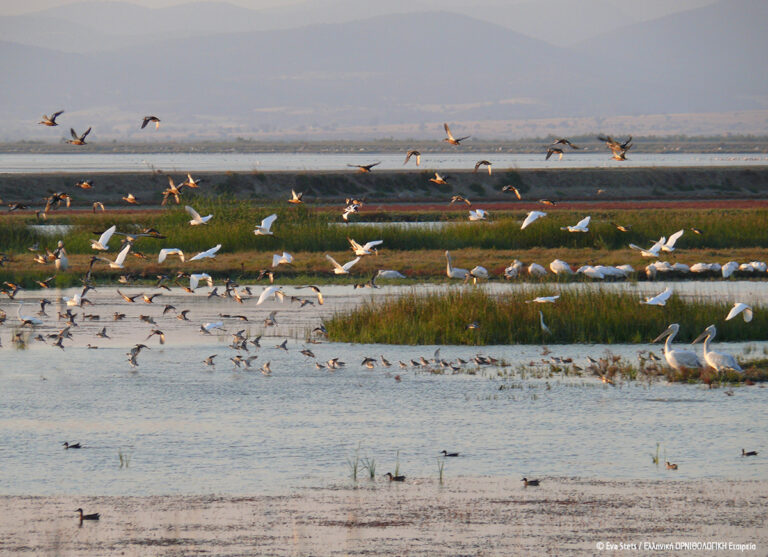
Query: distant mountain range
[{"x": 421, "y": 67}]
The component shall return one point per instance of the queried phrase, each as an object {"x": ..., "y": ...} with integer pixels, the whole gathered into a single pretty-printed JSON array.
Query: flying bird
[
  {"x": 78, "y": 139},
  {"x": 554, "y": 151},
  {"x": 531, "y": 217},
  {"x": 740, "y": 307},
  {"x": 165, "y": 252},
  {"x": 368, "y": 249},
  {"x": 102, "y": 243},
  {"x": 341, "y": 269},
  {"x": 148, "y": 119},
  {"x": 438, "y": 179},
  {"x": 296, "y": 197},
  {"x": 485, "y": 163},
  {"x": 196, "y": 218},
  {"x": 452, "y": 140},
  {"x": 513, "y": 189},
  {"x": 205, "y": 254},
  {"x": 413, "y": 153},
  {"x": 365, "y": 168},
  {"x": 564, "y": 141},
  {"x": 659, "y": 299},
  {"x": 266, "y": 225},
  {"x": 581, "y": 226},
  {"x": 51, "y": 120}
]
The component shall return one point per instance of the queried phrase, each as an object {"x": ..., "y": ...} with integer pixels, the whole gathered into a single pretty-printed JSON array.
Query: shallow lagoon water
[
  {"x": 191, "y": 429},
  {"x": 201, "y": 162}
]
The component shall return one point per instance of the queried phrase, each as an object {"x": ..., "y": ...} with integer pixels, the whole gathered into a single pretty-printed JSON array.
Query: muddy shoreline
[
  {"x": 463, "y": 516},
  {"x": 575, "y": 184}
]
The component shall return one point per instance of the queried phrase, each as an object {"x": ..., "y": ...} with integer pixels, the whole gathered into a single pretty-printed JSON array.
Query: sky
[{"x": 645, "y": 9}]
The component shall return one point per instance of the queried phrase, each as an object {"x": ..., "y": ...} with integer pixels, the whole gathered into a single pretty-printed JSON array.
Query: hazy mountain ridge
[{"x": 394, "y": 69}]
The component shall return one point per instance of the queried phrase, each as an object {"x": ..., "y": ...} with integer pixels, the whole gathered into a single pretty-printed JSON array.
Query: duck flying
[
  {"x": 453, "y": 140},
  {"x": 148, "y": 119}
]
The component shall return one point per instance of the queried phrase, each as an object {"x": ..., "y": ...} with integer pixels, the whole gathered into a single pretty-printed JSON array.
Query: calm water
[
  {"x": 191, "y": 429},
  {"x": 199, "y": 162}
]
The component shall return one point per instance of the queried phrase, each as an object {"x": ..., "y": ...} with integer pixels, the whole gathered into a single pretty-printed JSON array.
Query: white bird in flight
[
  {"x": 195, "y": 279},
  {"x": 478, "y": 214},
  {"x": 196, "y": 218},
  {"x": 341, "y": 269},
  {"x": 718, "y": 360},
  {"x": 581, "y": 226},
  {"x": 658, "y": 299},
  {"x": 286, "y": 258},
  {"x": 102, "y": 243},
  {"x": 165, "y": 252},
  {"x": 266, "y": 225},
  {"x": 653, "y": 251},
  {"x": 205, "y": 254},
  {"x": 119, "y": 260},
  {"x": 269, "y": 291},
  {"x": 740, "y": 307},
  {"x": 531, "y": 217},
  {"x": 543, "y": 300},
  {"x": 368, "y": 249},
  {"x": 669, "y": 245}
]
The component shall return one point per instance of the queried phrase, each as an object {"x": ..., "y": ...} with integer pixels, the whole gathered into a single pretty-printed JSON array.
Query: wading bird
[
  {"x": 720, "y": 361},
  {"x": 454, "y": 272},
  {"x": 678, "y": 360}
]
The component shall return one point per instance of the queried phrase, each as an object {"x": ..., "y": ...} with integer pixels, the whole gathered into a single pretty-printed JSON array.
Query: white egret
[
  {"x": 478, "y": 214},
  {"x": 286, "y": 258},
  {"x": 653, "y": 251},
  {"x": 196, "y": 218},
  {"x": 543, "y": 300},
  {"x": 389, "y": 274},
  {"x": 669, "y": 245},
  {"x": 626, "y": 268},
  {"x": 560, "y": 267},
  {"x": 581, "y": 226},
  {"x": 195, "y": 279},
  {"x": 532, "y": 216},
  {"x": 101, "y": 243},
  {"x": 454, "y": 272},
  {"x": 368, "y": 249},
  {"x": 119, "y": 260},
  {"x": 718, "y": 360},
  {"x": 269, "y": 291},
  {"x": 677, "y": 359},
  {"x": 341, "y": 269},
  {"x": 738, "y": 308},
  {"x": 591, "y": 272},
  {"x": 205, "y": 254},
  {"x": 165, "y": 252},
  {"x": 658, "y": 299},
  {"x": 544, "y": 327},
  {"x": 266, "y": 225},
  {"x": 208, "y": 327}
]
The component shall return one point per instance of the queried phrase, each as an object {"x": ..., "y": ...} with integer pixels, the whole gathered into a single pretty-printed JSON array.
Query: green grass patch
[{"x": 581, "y": 315}]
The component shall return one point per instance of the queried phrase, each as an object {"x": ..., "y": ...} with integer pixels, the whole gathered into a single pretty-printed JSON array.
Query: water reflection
[{"x": 187, "y": 428}]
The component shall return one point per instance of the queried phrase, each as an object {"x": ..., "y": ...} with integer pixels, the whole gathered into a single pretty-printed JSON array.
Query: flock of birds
[{"x": 676, "y": 358}]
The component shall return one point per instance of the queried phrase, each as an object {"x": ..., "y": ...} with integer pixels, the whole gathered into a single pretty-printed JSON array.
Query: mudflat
[{"x": 462, "y": 516}]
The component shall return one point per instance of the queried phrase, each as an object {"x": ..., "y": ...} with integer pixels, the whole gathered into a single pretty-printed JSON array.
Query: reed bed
[
  {"x": 581, "y": 315},
  {"x": 309, "y": 229}
]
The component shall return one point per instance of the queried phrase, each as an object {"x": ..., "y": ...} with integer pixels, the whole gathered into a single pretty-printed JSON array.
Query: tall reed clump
[
  {"x": 581, "y": 315},
  {"x": 353, "y": 463}
]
